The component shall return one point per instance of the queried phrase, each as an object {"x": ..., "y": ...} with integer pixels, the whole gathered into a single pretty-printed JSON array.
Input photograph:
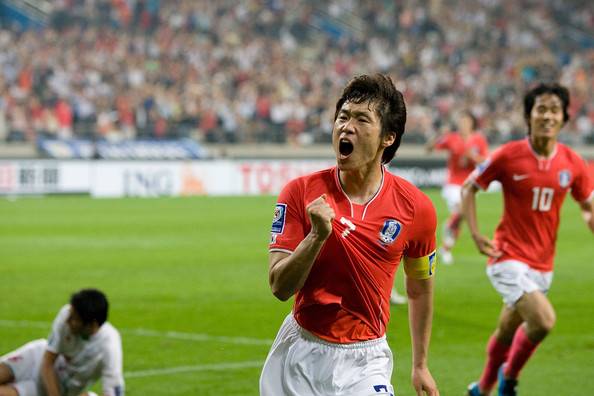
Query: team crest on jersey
[
  {"x": 564, "y": 178},
  {"x": 278, "y": 221},
  {"x": 390, "y": 231}
]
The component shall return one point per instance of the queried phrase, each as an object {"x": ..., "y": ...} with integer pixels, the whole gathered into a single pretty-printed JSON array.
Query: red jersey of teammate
[
  {"x": 346, "y": 295},
  {"x": 533, "y": 191},
  {"x": 459, "y": 167}
]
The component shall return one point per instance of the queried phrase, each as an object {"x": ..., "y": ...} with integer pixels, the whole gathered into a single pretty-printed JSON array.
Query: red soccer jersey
[
  {"x": 459, "y": 167},
  {"x": 533, "y": 191},
  {"x": 346, "y": 295}
]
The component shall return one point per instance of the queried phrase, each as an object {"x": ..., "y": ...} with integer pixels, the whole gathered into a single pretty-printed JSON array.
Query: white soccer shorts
[
  {"x": 512, "y": 278},
  {"x": 300, "y": 363},
  {"x": 25, "y": 364},
  {"x": 451, "y": 193}
]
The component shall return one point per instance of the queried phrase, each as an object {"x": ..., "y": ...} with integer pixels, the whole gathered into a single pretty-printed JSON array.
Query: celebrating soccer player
[
  {"x": 81, "y": 348},
  {"x": 466, "y": 148},
  {"x": 338, "y": 236},
  {"x": 536, "y": 174}
]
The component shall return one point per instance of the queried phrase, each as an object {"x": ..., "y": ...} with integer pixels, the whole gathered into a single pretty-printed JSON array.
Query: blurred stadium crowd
[{"x": 269, "y": 70}]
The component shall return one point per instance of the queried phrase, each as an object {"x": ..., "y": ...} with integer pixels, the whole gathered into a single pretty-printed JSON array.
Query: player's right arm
[
  {"x": 480, "y": 178},
  {"x": 468, "y": 203},
  {"x": 288, "y": 271},
  {"x": 48, "y": 374}
]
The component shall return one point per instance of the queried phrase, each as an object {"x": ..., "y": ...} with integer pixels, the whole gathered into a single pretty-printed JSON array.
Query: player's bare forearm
[
  {"x": 468, "y": 204},
  {"x": 420, "y": 297},
  {"x": 588, "y": 214},
  {"x": 48, "y": 374},
  {"x": 484, "y": 244},
  {"x": 420, "y": 303},
  {"x": 288, "y": 272}
]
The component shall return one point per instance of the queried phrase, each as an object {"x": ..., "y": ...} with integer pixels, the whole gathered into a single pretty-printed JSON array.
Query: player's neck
[
  {"x": 542, "y": 146},
  {"x": 362, "y": 184}
]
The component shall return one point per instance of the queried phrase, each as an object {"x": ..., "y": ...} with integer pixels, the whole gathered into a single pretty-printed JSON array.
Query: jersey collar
[{"x": 366, "y": 205}]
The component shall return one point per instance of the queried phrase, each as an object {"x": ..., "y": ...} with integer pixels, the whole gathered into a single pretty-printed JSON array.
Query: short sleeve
[
  {"x": 56, "y": 337},
  {"x": 582, "y": 187},
  {"x": 112, "y": 378},
  {"x": 419, "y": 256},
  {"x": 489, "y": 170},
  {"x": 288, "y": 221}
]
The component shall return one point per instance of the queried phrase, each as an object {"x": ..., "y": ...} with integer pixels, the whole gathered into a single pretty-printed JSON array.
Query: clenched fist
[{"x": 321, "y": 215}]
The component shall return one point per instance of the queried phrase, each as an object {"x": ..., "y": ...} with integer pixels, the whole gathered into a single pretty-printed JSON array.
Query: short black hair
[
  {"x": 541, "y": 89},
  {"x": 91, "y": 305},
  {"x": 389, "y": 105}
]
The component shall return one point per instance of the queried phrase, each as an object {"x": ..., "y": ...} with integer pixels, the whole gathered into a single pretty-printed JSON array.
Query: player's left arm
[
  {"x": 587, "y": 208},
  {"x": 582, "y": 190},
  {"x": 420, "y": 314},
  {"x": 419, "y": 266}
]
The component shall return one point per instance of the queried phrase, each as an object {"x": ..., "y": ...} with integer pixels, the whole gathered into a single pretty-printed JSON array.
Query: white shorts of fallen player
[
  {"x": 300, "y": 363},
  {"x": 25, "y": 364},
  {"x": 513, "y": 278},
  {"x": 451, "y": 193}
]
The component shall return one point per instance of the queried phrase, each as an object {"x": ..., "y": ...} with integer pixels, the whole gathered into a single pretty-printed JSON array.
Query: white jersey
[{"x": 82, "y": 362}]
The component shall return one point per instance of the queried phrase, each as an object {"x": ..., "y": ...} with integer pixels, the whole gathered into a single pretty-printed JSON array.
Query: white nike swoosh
[{"x": 519, "y": 177}]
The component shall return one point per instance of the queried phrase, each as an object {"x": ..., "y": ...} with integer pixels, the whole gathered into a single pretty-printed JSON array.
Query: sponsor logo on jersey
[
  {"x": 273, "y": 238},
  {"x": 519, "y": 177},
  {"x": 390, "y": 231},
  {"x": 278, "y": 221},
  {"x": 564, "y": 178}
]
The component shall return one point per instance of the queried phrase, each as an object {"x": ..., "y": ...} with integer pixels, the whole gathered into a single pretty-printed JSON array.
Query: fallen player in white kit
[{"x": 81, "y": 349}]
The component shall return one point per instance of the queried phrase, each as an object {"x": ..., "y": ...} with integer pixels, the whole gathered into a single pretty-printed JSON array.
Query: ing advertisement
[{"x": 182, "y": 178}]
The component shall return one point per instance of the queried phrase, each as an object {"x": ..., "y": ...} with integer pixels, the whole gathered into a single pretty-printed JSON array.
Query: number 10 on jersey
[{"x": 542, "y": 198}]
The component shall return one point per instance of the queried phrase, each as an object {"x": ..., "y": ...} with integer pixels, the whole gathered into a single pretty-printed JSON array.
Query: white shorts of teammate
[
  {"x": 513, "y": 278},
  {"x": 300, "y": 363},
  {"x": 25, "y": 364},
  {"x": 451, "y": 193}
]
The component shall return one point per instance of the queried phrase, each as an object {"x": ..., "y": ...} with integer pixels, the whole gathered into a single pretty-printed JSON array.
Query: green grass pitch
[{"x": 187, "y": 281}]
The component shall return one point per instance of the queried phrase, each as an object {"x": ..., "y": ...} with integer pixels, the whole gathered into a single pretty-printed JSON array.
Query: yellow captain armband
[{"x": 421, "y": 267}]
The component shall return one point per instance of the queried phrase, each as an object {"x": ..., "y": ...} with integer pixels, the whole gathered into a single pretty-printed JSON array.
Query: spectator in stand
[{"x": 297, "y": 51}]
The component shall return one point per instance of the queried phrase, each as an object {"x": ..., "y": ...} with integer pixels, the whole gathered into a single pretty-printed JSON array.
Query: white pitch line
[
  {"x": 198, "y": 337},
  {"x": 188, "y": 369},
  {"x": 176, "y": 335}
]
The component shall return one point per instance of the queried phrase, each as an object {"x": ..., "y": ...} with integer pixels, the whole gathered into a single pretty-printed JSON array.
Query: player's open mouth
[{"x": 345, "y": 147}]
